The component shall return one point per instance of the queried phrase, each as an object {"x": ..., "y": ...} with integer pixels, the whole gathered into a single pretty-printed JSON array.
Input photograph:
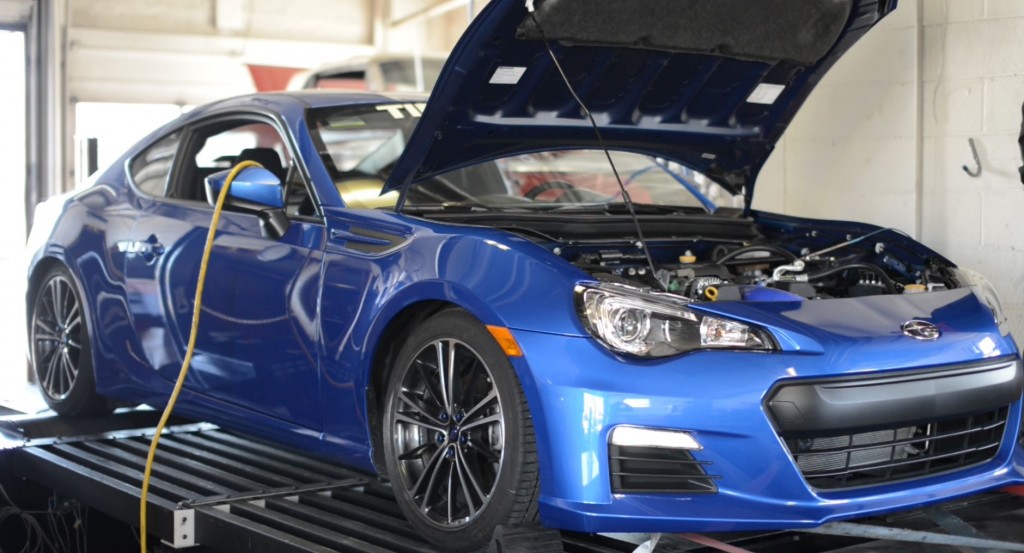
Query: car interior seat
[{"x": 267, "y": 157}]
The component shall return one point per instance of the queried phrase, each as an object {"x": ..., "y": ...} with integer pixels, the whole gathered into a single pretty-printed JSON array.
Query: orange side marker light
[{"x": 505, "y": 340}]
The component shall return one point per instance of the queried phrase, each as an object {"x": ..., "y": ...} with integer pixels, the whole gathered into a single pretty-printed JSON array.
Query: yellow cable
[{"x": 188, "y": 352}]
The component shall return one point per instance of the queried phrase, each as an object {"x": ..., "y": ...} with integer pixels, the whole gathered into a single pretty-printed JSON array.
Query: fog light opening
[{"x": 635, "y": 436}]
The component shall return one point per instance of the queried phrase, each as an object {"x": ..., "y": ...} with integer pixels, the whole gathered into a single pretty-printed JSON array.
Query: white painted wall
[
  {"x": 884, "y": 137},
  {"x": 12, "y": 219},
  {"x": 438, "y": 33}
]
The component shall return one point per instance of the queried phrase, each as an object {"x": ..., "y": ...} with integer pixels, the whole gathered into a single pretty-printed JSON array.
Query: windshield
[{"x": 360, "y": 146}]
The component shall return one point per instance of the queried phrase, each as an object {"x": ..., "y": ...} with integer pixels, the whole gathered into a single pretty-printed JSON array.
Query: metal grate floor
[
  {"x": 213, "y": 488},
  {"x": 228, "y": 493}
]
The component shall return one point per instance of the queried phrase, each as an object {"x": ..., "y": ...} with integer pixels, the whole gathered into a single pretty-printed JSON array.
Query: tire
[
  {"x": 458, "y": 467},
  {"x": 60, "y": 349}
]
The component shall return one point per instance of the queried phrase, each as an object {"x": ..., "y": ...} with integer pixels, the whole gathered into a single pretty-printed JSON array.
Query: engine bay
[{"x": 774, "y": 270}]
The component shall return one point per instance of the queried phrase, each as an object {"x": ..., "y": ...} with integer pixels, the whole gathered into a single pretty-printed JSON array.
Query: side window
[
  {"x": 221, "y": 145},
  {"x": 152, "y": 167},
  {"x": 220, "y": 149}
]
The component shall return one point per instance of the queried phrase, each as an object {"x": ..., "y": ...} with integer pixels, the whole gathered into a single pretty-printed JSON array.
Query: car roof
[{"x": 280, "y": 101}]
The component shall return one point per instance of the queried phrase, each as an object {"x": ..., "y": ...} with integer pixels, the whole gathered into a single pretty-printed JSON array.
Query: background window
[{"x": 118, "y": 126}]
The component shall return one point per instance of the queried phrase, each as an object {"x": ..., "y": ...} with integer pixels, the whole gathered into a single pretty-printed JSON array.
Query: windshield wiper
[
  {"x": 620, "y": 208},
  {"x": 456, "y": 207}
]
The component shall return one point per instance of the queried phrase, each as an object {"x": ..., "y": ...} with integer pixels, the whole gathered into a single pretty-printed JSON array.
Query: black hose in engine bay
[{"x": 863, "y": 271}]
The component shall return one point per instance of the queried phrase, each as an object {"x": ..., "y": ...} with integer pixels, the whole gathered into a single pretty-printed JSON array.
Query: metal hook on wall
[{"x": 977, "y": 161}]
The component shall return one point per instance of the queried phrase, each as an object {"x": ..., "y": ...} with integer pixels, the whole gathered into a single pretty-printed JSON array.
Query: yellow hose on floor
[{"x": 188, "y": 352}]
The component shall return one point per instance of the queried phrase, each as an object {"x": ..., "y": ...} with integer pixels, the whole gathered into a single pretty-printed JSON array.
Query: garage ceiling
[
  {"x": 195, "y": 51},
  {"x": 14, "y": 12}
]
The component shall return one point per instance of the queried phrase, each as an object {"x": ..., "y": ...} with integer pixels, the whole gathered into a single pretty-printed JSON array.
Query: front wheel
[
  {"x": 458, "y": 439},
  {"x": 60, "y": 354}
]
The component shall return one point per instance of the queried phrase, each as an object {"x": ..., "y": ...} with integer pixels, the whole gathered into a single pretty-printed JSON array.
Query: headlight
[
  {"x": 631, "y": 321},
  {"x": 984, "y": 289}
]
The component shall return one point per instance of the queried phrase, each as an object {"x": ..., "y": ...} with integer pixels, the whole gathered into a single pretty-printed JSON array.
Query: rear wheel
[
  {"x": 459, "y": 443},
  {"x": 60, "y": 354}
]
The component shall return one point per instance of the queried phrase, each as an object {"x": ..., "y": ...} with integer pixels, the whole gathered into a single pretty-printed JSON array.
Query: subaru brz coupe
[{"x": 542, "y": 293}]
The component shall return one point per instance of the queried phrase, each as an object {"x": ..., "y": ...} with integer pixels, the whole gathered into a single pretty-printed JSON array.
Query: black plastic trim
[
  {"x": 657, "y": 470},
  {"x": 937, "y": 447},
  {"x": 851, "y": 403},
  {"x": 369, "y": 241},
  {"x": 583, "y": 227}
]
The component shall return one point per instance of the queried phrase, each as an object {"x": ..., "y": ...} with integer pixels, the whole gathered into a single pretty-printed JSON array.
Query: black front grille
[
  {"x": 882, "y": 455},
  {"x": 658, "y": 470}
]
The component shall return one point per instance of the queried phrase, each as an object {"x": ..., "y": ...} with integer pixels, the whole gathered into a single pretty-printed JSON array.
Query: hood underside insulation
[{"x": 797, "y": 31}]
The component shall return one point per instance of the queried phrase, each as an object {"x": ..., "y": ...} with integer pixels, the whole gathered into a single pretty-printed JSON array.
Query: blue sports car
[{"x": 543, "y": 292}]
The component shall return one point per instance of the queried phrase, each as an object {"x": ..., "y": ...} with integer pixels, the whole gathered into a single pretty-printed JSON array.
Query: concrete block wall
[
  {"x": 850, "y": 153},
  {"x": 885, "y": 135},
  {"x": 973, "y": 87}
]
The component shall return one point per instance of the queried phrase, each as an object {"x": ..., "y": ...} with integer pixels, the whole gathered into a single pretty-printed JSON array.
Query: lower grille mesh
[
  {"x": 883, "y": 455},
  {"x": 658, "y": 470}
]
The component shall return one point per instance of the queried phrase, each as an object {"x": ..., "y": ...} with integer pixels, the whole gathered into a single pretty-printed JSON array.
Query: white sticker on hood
[
  {"x": 507, "y": 75},
  {"x": 766, "y": 94}
]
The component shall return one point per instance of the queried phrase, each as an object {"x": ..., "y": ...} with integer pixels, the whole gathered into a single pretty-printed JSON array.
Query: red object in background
[
  {"x": 1015, "y": 490},
  {"x": 270, "y": 78},
  {"x": 602, "y": 184}
]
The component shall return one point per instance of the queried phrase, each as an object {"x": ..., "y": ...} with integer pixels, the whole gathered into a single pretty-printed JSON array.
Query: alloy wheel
[
  {"x": 57, "y": 337},
  {"x": 448, "y": 433}
]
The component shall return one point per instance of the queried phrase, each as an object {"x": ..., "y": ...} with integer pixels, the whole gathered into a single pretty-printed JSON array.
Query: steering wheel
[{"x": 570, "y": 194}]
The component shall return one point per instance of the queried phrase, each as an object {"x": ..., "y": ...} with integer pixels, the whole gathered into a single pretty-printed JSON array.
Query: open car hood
[{"x": 711, "y": 84}]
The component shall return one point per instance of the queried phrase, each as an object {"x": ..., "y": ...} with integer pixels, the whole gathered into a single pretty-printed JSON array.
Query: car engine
[{"x": 770, "y": 272}]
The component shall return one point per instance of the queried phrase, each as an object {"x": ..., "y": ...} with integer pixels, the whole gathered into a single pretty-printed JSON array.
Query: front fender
[{"x": 499, "y": 278}]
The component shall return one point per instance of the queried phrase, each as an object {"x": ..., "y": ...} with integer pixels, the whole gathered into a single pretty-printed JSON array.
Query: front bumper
[{"x": 578, "y": 392}]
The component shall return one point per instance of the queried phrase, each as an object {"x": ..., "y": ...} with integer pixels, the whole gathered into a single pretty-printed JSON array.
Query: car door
[{"x": 256, "y": 346}]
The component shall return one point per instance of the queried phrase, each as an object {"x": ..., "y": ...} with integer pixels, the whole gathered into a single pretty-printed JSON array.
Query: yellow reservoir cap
[{"x": 711, "y": 293}]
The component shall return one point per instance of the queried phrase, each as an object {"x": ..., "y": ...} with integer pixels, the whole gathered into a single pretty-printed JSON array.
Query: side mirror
[{"x": 254, "y": 189}]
